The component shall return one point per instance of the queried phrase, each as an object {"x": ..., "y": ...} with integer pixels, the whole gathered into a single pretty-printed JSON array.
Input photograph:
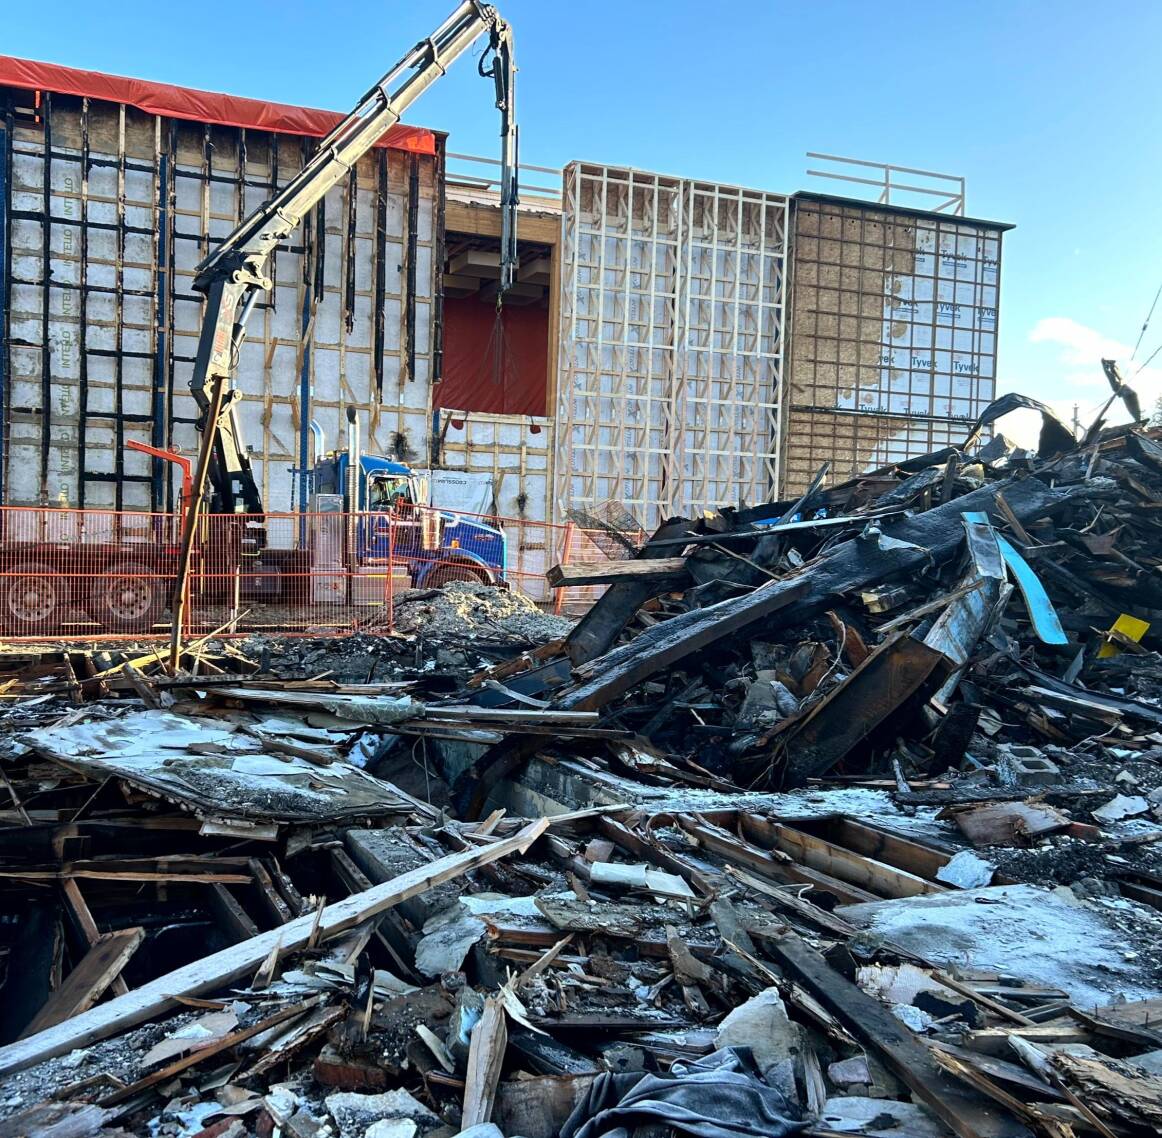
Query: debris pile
[
  {"x": 470, "y": 611},
  {"x": 832, "y": 816}
]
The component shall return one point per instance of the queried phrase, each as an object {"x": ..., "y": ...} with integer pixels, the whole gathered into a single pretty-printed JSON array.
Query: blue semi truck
[
  {"x": 389, "y": 525},
  {"x": 396, "y": 525}
]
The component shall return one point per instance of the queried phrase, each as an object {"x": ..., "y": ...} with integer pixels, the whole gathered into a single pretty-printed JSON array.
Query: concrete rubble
[{"x": 832, "y": 816}]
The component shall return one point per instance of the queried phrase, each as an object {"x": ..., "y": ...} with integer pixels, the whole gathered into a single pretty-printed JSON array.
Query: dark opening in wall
[{"x": 494, "y": 363}]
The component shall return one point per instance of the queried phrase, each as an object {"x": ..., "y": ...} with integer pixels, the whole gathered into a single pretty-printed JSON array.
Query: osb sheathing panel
[
  {"x": 892, "y": 347},
  {"x": 856, "y": 443}
]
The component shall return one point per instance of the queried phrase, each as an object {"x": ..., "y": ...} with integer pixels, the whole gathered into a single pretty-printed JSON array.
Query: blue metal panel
[{"x": 1042, "y": 615}]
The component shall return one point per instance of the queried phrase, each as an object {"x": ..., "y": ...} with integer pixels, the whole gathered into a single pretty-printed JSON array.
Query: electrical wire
[
  {"x": 1146, "y": 325},
  {"x": 1148, "y": 359}
]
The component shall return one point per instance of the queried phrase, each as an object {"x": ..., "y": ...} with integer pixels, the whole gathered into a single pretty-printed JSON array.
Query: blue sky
[{"x": 1049, "y": 110}]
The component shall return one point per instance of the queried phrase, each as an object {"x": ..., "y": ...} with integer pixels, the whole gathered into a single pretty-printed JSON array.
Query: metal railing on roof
[
  {"x": 895, "y": 182},
  {"x": 483, "y": 174}
]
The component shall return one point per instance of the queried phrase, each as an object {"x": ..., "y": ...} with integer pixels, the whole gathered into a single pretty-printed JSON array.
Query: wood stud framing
[{"x": 671, "y": 342}]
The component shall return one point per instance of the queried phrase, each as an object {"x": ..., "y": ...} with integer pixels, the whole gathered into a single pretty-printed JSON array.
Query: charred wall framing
[{"x": 106, "y": 211}]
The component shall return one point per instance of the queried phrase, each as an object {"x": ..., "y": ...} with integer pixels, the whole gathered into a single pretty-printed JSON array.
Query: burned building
[{"x": 672, "y": 344}]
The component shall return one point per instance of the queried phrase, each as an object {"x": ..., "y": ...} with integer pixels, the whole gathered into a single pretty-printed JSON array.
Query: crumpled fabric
[{"x": 720, "y": 1096}]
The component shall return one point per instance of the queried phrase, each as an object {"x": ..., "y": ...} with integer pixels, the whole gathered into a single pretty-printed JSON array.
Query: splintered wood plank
[
  {"x": 766, "y": 864},
  {"x": 607, "y": 572},
  {"x": 88, "y": 982},
  {"x": 164, "y": 1074},
  {"x": 903, "y": 853},
  {"x": 485, "y": 1058},
  {"x": 836, "y": 861},
  {"x": 75, "y": 900},
  {"x": 230, "y": 964}
]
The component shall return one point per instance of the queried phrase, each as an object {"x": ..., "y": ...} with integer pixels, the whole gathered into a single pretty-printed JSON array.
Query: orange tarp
[{"x": 196, "y": 106}]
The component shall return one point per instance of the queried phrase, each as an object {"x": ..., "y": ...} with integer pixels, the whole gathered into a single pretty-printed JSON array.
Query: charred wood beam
[
  {"x": 600, "y": 627},
  {"x": 858, "y": 563},
  {"x": 968, "y": 1114}
]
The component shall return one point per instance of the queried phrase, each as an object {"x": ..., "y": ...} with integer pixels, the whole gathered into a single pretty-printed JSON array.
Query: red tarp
[
  {"x": 502, "y": 370},
  {"x": 196, "y": 106}
]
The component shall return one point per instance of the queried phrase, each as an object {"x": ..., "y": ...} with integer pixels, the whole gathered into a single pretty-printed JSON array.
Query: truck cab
[{"x": 397, "y": 526}]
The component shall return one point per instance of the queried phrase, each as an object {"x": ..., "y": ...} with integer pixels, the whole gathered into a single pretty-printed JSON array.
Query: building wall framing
[
  {"x": 708, "y": 343},
  {"x": 893, "y": 334},
  {"x": 671, "y": 342},
  {"x": 108, "y": 211}
]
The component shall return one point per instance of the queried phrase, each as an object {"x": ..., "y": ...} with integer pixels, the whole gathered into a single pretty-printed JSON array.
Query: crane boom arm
[{"x": 235, "y": 274}]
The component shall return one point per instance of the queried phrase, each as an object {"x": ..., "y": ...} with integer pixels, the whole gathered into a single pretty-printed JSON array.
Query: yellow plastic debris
[{"x": 1127, "y": 625}]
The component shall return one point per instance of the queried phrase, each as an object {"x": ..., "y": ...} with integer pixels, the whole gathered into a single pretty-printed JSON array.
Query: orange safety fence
[{"x": 97, "y": 574}]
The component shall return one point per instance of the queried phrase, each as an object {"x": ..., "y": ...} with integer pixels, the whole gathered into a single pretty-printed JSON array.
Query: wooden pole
[{"x": 180, "y": 600}]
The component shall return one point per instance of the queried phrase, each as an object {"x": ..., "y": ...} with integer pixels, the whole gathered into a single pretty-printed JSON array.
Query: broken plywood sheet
[
  {"x": 165, "y": 754},
  {"x": 1007, "y": 823},
  {"x": 1038, "y": 934}
]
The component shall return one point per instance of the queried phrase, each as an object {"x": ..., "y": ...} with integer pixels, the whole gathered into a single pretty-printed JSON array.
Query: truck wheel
[
  {"x": 127, "y": 597},
  {"x": 443, "y": 575},
  {"x": 34, "y": 598}
]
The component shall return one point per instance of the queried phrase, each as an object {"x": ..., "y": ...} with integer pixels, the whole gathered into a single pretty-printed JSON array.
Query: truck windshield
[{"x": 388, "y": 493}]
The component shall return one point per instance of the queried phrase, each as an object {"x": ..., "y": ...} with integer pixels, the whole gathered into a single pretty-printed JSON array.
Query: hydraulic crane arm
[{"x": 235, "y": 274}]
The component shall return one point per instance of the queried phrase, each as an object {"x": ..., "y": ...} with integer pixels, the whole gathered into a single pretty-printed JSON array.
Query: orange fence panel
[{"x": 88, "y": 574}]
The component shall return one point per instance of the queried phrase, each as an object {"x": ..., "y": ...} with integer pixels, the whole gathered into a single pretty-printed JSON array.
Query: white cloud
[{"x": 1078, "y": 344}]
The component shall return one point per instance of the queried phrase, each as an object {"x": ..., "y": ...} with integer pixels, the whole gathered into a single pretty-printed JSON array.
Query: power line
[
  {"x": 1146, "y": 325},
  {"x": 1147, "y": 363}
]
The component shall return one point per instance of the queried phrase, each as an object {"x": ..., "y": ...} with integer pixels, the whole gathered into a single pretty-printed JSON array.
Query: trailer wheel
[
  {"x": 443, "y": 575},
  {"x": 34, "y": 598},
  {"x": 127, "y": 597}
]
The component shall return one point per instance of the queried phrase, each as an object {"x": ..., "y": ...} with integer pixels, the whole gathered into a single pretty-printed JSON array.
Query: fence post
[
  {"x": 390, "y": 571},
  {"x": 566, "y": 553}
]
